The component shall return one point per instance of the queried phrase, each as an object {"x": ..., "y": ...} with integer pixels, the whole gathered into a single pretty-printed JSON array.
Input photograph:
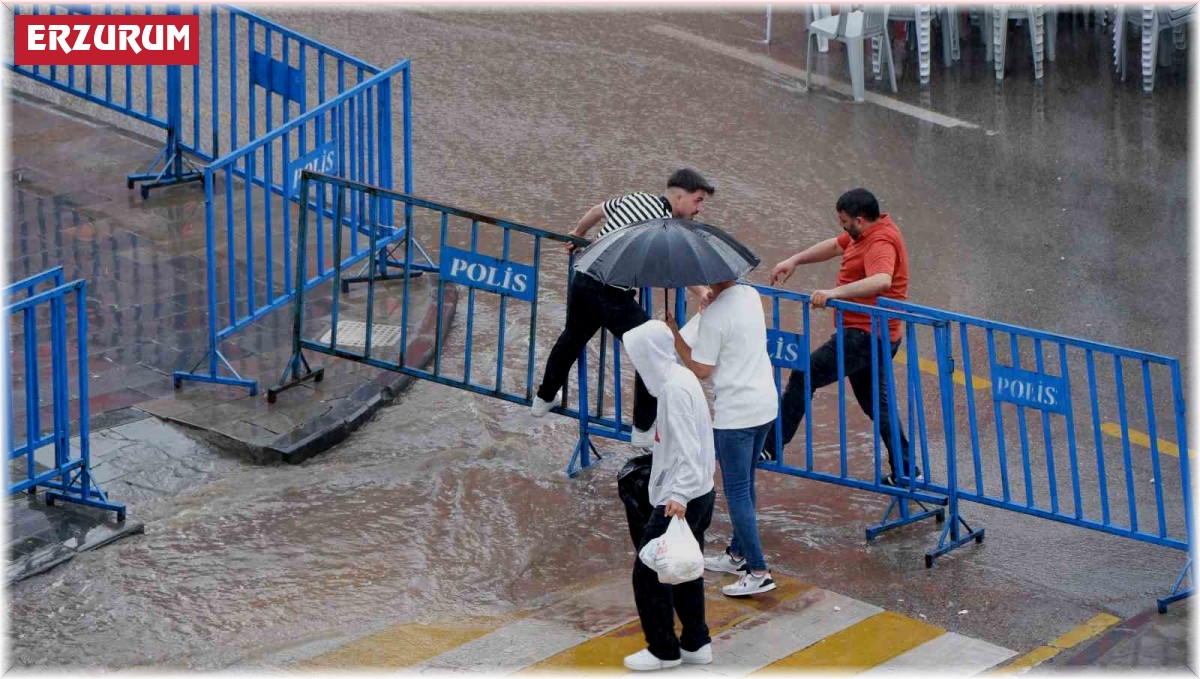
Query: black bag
[{"x": 633, "y": 485}]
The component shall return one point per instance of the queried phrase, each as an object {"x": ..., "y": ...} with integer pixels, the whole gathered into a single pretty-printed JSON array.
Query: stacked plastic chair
[{"x": 1151, "y": 20}]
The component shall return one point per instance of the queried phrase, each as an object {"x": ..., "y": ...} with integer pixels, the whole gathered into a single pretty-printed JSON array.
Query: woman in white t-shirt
[{"x": 730, "y": 346}]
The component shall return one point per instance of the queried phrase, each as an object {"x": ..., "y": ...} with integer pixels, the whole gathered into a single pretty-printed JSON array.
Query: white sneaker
[
  {"x": 750, "y": 584},
  {"x": 645, "y": 661},
  {"x": 700, "y": 656},
  {"x": 724, "y": 563},
  {"x": 539, "y": 408},
  {"x": 639, "y": 438}
]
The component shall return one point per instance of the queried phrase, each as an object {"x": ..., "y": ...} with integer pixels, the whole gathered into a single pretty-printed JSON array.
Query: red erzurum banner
[{"x": 90, "y": 40}]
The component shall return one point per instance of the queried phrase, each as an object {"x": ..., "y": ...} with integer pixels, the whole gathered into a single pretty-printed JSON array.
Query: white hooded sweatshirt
[{"x": 684, "y": 457}]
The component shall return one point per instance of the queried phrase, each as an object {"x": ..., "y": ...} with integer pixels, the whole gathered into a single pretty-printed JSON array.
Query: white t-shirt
[{"x": 731, "y": 335}]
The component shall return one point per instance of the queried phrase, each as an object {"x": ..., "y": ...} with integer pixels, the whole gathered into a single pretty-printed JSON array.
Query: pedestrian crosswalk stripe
[
  {"x": 951, "y": 653},
  {"x": 607, "y": 651},
  {"x": 861, "y": 646},
  {"x": 797, "y": 624},
  {"x": 402, "y": 646},
  {"x": 508, "y": 649}
]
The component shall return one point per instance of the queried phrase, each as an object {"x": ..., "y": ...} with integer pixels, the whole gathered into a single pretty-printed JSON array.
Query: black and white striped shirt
[{"x": 631, "y": 208}]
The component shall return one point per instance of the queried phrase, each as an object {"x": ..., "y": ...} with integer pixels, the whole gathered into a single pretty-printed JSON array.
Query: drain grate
[{"x": 354, "y": 333}]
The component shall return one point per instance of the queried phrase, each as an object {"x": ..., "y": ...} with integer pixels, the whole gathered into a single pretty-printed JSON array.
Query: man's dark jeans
[
  {"x": 657, "y": 604},
  {"x": 824, "y": 367},
  {"x": 591, "y": 305}
]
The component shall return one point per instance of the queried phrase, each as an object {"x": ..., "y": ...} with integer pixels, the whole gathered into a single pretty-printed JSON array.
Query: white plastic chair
[
  {"x": 852, "y": 29},
  {"x": 1152, "y": 19}
]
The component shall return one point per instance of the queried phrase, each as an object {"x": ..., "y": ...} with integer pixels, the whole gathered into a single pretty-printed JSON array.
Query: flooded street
[{"x": 1061, "y": 206}]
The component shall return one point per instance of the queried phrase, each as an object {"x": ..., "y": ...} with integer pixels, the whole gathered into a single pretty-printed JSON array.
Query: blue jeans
[{"x": 737, "y": 453}]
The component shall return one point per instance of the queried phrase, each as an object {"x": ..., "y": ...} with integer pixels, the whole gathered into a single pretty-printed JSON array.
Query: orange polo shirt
[{"x": 879, "y": 250}]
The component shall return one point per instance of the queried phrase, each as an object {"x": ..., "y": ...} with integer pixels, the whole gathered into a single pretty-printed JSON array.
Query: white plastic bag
[{"x": 675, "y": 555}]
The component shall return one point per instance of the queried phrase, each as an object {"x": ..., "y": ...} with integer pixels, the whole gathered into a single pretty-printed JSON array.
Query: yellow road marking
[
  {"x": 401, "y": 646},
  {"x": 959, "y": 377},
  {"x": 1071, "y": 639},
  {"x": 1139, "y": 439},
  {"x": 607, "y": 651},
  {"x": 862, "y": 646}
]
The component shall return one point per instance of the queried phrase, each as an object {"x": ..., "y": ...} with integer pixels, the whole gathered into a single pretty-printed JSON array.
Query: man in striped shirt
[{"x": 591, "y": 305}]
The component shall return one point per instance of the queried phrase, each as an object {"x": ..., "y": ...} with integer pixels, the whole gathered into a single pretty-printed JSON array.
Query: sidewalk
[{"x": 145, "y": 263}]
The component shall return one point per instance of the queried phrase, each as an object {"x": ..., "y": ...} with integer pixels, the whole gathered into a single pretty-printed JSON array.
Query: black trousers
[
  {"x": 657, "y": 604},
  {"x": 591, "y": 305},
  {"x": 824, "y": 367}
]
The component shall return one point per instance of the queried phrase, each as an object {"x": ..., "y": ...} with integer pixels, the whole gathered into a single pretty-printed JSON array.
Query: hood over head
[{"x": 652, "y": 348}]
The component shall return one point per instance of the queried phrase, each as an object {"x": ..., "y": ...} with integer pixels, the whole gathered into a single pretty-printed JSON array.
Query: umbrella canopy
[{"x": 666, "y": 253}]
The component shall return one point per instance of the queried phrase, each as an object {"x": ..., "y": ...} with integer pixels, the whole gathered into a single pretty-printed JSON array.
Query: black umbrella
[{"x": 666, "y": 253}]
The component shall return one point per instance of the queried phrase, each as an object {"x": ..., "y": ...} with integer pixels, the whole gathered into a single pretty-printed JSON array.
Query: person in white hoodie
[{"x": 681, "y": 484}]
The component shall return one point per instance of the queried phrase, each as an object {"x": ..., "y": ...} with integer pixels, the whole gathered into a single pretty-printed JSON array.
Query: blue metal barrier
[
  {"x": 252, "y": 198},
  {"x": 789, "y": 335},
  {"x": 65, "y": 476},
  {"x": 498, "y": 262},
  {"x": 1078, "y": 390},
  {"x": 254, "y": 76}
]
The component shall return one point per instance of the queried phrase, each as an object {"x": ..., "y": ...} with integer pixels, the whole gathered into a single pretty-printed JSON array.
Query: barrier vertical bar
[
  {"x": 537, "y": 270},
  {"x": 287, "y": 212},
  {"x": 470, "y": 309},
  {"x": 1072, "y": 453},
  {"x": 339, "y": 213},
  {"x": 839, "y": 323},
  {"x": 33, "y": 426},
  {"x": 373, "y": 243},
  {"x": 1021, "y": 428},
  {"x": 808, "y": 437},
  {"x": 1051, "y": 473},
  {"x": 503, "y": 323},
  {"x": 437, "y": 352},
  {"x": 1128, "y": 459},
  {"x": 999, "y": 414},
  {"x": 1097, "y": 436},
  {"x": 972, "y": 418},
  {"x": 1152, "y": 431},
  {"x": 230, "y": 261}
]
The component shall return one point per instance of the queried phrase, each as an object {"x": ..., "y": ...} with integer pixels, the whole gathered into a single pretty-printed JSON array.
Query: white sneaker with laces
[
  {"x": 645, "y": 661},
  {"x": 700, "y": 656},
  {"x": 750, "y": 584},
  {"x": 639, "y": 438},
  {"x": 724, "y": 563},
  {"x": 539, "y": 408}
]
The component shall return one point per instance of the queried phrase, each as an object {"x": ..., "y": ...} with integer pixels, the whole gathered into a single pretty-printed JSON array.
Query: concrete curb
[{"x": 327, "y": 430}]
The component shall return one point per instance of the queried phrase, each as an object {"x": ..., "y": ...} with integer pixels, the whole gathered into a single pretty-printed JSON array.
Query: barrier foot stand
[
  {"x": 172, "y": 172},
  {"x": 212, "y": 377},
  {"x": 75, "y": 491},
  {"x": 572, "y": 469},
  {"x": 952, "y": 539},
  {"x": 388, "y": 261},
  {"x": 293, "y": 368},
  {"x": 1177, "y": 593},
  {"x": 903, "y": 516}
]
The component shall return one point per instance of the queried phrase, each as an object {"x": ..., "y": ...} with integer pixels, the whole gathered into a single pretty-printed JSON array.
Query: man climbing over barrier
[
  {"x": 874, "y": 264},
  {"x": 591, "y": 305}
]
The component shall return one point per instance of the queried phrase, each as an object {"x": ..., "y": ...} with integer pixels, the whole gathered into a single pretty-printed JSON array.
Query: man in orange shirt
[{"x": 874, "y": 264}]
